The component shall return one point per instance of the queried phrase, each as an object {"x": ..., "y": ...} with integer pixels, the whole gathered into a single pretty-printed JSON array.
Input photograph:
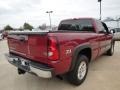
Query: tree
[
  {"x": 43, "y": 26},
  {"x": 8, "y": 27},
  {"x": 108, "y": 19},
  {"x": 27, "y": 26},
  {"x": 20, "y": 28},
  {"x": 118, "y": 18}
]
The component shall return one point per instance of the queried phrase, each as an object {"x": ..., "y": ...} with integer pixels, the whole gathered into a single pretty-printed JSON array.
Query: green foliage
[
  {"x": 27, "y": 26},
  {"x": 8, "y": 27},
  {"x": 43, "y": 26},
  {"x": 20, "y": 28}
]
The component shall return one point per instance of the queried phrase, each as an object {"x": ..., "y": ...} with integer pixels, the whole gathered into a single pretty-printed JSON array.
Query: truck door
[
  {"x": 102, "y": 37},
  {"x": 108, "y": 37}
]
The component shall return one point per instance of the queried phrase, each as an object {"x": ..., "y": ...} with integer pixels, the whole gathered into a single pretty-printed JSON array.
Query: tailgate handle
[{"x": 22, "y": 39}]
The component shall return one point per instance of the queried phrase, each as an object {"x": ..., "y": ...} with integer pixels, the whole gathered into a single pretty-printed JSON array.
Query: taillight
[{"x": 53, "y": 48}]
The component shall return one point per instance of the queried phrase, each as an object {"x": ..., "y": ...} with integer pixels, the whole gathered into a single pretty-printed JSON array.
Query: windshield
[{"x": 76, "y": 25}]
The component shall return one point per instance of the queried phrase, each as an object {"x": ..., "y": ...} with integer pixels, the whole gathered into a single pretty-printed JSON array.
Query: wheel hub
[{"x": 82, "y": 70}]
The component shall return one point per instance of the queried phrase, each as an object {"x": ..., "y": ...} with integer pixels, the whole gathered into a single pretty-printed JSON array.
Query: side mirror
[{"x": 112, "y": 31}]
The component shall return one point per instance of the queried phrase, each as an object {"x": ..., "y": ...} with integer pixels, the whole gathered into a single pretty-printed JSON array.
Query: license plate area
[
  {"x": 20, "y": 63},
  {"x": 24, "y": 62}
]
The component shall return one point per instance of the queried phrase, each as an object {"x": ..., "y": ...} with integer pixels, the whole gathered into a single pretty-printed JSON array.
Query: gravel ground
[{"x": 104, "y": 74}]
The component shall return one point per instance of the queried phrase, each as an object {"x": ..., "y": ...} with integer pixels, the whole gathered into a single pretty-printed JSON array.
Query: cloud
[{"x": 16, "y": 12}]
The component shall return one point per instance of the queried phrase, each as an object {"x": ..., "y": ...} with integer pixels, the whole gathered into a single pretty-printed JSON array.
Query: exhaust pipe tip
[{"x": 20, "y": 71}]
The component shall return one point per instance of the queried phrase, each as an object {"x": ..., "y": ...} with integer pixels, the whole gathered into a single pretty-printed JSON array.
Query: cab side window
[
  {"x": 101, "y": 27},
  {"x": 106, "y": 28}
]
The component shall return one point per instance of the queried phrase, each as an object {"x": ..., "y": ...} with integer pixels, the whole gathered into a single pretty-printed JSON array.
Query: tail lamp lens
[{"x": 53, "y": 49}]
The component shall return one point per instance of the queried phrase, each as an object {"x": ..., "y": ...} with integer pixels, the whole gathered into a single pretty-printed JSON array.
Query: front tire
[
  {"x": 110, "y": 52},
  {"x": 78, "y": 74},
  {"x": 1, "y": 37}
]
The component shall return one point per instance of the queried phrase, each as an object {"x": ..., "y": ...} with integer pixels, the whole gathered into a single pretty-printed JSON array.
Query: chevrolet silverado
[{"x": 67, "y": 51}]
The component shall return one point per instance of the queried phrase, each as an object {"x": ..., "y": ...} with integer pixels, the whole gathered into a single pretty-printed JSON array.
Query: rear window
[{"x": 76, "y": 25}]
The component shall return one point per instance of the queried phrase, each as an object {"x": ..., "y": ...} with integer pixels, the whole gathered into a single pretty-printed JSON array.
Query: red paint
[{"x": 37, "y": 46}]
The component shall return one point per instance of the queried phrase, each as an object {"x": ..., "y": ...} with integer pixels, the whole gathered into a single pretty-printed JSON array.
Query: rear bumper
[{"x": 30, "y": 66}]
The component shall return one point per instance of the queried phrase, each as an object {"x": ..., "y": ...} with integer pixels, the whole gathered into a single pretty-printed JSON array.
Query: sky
[{"x": 17, "y": 12}]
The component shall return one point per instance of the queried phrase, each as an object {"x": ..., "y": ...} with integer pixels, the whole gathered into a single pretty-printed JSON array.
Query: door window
[{"x": 101, "y": 27}]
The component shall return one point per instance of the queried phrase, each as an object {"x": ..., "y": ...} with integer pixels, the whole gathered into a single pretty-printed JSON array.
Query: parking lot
[{"x": 104, "y": 74}]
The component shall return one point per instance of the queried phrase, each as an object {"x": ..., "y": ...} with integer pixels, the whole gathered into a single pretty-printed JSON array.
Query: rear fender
[{"x": 76, "y": 53}]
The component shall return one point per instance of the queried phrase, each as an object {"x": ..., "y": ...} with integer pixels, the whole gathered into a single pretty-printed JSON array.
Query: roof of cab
[{"x": 81, "y": 18}]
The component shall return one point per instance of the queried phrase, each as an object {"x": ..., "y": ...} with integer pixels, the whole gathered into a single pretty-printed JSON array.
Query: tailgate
[{"x": 32, "y": 46}]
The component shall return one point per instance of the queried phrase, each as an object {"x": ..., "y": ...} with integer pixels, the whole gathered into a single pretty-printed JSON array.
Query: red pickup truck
[{"x": 67, "y": 51}]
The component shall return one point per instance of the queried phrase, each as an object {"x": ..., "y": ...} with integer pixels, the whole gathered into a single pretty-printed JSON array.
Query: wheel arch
[{"x": 84, "y": 49}]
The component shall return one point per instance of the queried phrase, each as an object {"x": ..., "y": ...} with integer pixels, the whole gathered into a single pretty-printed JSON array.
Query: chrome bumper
[{"x": 30, "y": 66}]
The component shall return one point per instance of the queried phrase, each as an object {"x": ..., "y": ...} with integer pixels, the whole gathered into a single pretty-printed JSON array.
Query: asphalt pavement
[{"x": 104, "y": 74}]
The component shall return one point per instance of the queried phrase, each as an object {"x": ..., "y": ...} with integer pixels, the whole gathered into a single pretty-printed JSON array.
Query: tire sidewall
[
  {"x": 110, "y": 52},
  {"x": 113, "y": 45},
  {"x": 112, "y": 49},
  {"x": 81, "y": 59}
]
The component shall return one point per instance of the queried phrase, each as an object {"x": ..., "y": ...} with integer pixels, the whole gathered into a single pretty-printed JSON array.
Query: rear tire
[
  {"x": 78, "y": 74},
  {"x": 110, "y": 52}
]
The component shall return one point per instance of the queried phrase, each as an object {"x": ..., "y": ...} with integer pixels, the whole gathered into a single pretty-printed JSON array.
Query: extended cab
[{"x": 67, "y": 51}]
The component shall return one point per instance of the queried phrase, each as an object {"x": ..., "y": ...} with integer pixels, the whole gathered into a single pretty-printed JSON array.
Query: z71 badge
[{"x": 68, "y": 51}]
